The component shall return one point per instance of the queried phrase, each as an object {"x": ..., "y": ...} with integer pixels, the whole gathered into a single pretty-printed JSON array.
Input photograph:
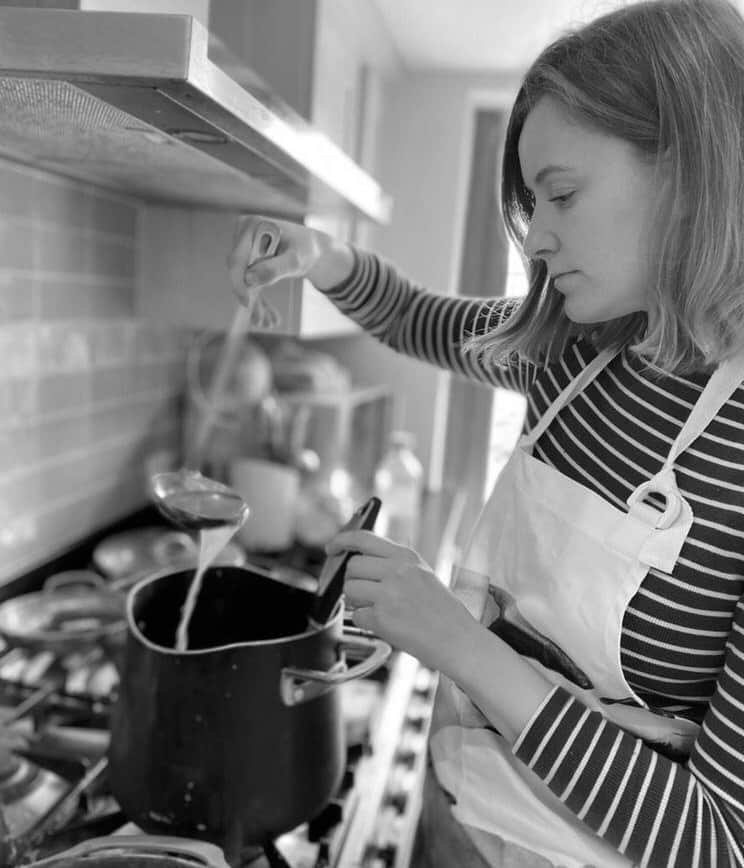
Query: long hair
[{"x": 668, "y": 77}]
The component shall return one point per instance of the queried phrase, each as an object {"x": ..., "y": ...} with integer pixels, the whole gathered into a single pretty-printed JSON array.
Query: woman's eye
[{"x": 563, "y": 198}]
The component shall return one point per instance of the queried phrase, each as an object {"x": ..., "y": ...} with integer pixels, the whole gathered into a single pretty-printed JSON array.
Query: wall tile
[
  {"x": 19, "y": 350},
  {"x": 17, "y": 296},
  {"x": 64, "y": 347},
  {"x": 112, "y": 258},
  {"x": 62, "y": 298},
  {"x": 60, "y": 436},
  {"x": 61, "y": 202},
  {"x": 64, "y": 392},
  {"x": 19, "y": 400},
  {"x": 16, "y": 243},
  {"x": 116, "y": 217},
  {"x": 114, "y": 342},
  {"x": 60, "y": 248},
  {"x": 19, "y": 447},
  {"x": 16, "y": 185},
  {"x": 87, "y": 390}
]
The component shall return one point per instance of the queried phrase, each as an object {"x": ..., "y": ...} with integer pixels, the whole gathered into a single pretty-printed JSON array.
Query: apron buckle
[{"x": 651, "y": 514}]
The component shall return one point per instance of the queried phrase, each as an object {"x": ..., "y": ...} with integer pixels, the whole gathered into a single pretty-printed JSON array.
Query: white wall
[{"x": 424, "y": 163}]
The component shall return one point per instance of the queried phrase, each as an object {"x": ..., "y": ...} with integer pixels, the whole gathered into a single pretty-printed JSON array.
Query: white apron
[{"x": 551, "y": 567}]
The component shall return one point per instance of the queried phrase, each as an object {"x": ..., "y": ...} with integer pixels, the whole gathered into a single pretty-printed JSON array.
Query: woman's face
[{"x": 595, "y": 199}]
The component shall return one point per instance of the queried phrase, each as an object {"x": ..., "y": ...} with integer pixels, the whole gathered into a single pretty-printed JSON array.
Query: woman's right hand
[{"x": 302, "y": 252}]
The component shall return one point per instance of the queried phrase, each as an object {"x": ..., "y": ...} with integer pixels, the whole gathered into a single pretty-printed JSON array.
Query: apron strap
[
  {"x": 722, "y": 384},
  {"x": 577, "y": 385}
]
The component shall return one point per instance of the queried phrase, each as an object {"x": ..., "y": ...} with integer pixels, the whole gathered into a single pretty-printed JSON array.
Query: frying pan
[{"x": 74, "y": 611}]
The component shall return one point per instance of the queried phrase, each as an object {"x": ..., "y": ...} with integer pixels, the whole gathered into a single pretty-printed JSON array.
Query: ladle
[
  {"x": 193, "y": 501},
  {"x": 185, "y": 496}
]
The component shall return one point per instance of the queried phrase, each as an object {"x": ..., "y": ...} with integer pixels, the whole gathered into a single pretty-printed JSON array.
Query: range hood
[{"x": 135, "y": 102}]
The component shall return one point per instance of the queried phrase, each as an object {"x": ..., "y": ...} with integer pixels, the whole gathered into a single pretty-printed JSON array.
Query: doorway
[{"x": 483, "y": 423}]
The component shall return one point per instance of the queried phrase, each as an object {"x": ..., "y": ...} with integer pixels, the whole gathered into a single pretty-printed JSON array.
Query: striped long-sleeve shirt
[{"x": 682, "y": 645}]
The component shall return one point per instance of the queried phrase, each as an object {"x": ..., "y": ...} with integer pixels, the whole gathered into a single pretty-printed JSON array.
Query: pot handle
[
  {"x": 209, "y": 855},
  {"x": 72, "y": 578},
  {"x": 300, "y": 685}
]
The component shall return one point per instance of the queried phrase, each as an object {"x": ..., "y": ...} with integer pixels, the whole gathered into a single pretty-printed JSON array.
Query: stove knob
[
  {"x": 406, "y": 758},
  {"x": 330, "y": 816},
  {"x": 380, "y": 857},
  {"x": 417, "y": 723},
  {"x": 347, "y": 782},
  {"x": 398, "y": 801}
]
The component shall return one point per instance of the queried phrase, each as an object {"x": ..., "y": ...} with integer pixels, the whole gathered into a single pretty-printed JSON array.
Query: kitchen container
[
  {"x": 240, "y": 738},
  {"x": 270, "y": 490}
]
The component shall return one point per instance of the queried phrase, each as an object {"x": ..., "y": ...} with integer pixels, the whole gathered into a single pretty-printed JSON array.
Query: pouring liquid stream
[{"x": 218, "y": 524}]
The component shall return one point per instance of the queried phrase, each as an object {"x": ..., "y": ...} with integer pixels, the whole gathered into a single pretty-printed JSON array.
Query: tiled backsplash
[{"x": 87, "y": 390}]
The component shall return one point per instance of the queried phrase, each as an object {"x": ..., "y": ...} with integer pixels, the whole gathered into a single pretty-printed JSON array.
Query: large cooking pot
[{"x": 240, "y": 738}]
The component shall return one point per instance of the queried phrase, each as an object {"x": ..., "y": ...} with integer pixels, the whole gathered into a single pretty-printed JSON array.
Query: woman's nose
[{"x": 540, "y": 242}]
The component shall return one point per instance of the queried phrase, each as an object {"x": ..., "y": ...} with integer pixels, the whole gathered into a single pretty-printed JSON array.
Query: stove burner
[{"x": 17, "y": 777}]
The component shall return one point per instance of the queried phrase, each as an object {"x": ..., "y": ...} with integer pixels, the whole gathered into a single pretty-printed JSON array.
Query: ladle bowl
[{"x": 193, "y": 501}]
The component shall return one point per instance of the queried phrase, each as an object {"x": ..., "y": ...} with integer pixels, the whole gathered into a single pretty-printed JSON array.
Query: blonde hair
[{"x": 668, "y": 77}]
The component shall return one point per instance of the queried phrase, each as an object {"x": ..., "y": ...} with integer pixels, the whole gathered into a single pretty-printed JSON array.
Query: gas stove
[{"x": 54, "y": 738}]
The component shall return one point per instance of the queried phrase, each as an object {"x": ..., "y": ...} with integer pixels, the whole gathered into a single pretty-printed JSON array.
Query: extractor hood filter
[
  {"x": 55, "y": 125},
  {"x": 132, "y": 101}
]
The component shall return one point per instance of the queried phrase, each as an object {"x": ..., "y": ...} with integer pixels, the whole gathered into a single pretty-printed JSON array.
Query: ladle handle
[{"x": 265, "y": 245}]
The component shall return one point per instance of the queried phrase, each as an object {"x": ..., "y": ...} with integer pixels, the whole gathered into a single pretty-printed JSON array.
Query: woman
[{"x": 591, "y": 701}]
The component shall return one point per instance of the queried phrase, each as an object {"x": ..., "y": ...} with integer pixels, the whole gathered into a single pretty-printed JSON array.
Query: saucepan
[{"x": 75, "y": 611}]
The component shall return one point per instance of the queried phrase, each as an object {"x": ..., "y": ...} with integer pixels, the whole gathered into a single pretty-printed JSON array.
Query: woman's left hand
[{"x": 395, "y": 594}]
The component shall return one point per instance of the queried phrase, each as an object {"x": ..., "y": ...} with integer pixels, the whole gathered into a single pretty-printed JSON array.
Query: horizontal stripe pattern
[{"x": 682, "y": 645}]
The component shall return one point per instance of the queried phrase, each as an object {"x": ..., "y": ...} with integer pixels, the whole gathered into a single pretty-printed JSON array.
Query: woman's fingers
[
  {"x": 368, "y": 543},
  {"x": 263, "y": 273},
  {"x": 362, "y": 592},
  {"x": 369, "y": 568},
  {"x": 248, "y": 265}
]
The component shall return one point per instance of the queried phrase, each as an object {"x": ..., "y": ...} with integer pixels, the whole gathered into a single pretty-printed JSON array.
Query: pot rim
[{"x": 312, "y": 628}]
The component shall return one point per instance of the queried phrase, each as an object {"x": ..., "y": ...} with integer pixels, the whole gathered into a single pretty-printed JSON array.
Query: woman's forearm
[
  {"x": 333, "y": 266},
  {"x": 505, "y": 687}
]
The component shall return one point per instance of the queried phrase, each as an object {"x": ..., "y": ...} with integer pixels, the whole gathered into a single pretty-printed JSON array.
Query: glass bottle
[{"x": 399, "y": 482}]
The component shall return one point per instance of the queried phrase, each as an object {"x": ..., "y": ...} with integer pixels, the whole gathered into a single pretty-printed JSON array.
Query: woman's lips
[{"x": 560, "y": 279}]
